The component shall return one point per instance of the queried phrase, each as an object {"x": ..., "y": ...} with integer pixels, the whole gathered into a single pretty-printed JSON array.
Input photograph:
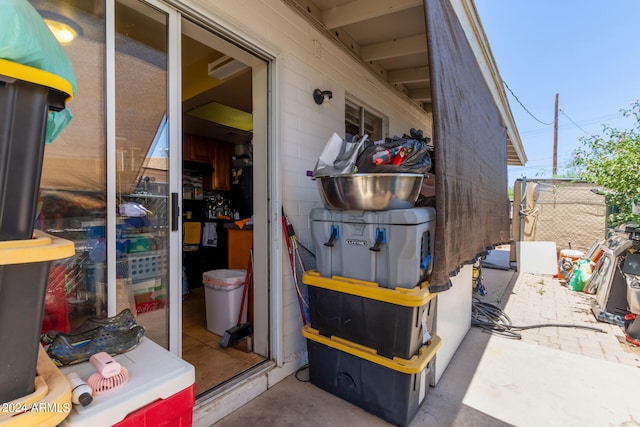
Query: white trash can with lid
[{"x": 223, "y": 295}]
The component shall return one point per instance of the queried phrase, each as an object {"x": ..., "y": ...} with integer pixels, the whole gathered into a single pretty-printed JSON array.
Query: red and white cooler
[{"x": 159, "y": 391}]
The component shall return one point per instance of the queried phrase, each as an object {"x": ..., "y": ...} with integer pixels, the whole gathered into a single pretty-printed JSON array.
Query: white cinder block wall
[{"x": 305, "y": 59}]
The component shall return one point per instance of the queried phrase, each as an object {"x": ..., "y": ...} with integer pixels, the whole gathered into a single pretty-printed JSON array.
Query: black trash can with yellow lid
[
  {"x": 24, "y": 273},
  {"x": 27, "y": 94}
]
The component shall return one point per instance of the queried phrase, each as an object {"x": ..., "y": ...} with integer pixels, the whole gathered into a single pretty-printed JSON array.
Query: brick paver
[{"x": 541, "y": 299}]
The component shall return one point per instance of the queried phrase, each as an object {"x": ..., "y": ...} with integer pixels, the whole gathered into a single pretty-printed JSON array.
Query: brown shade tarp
[{"x": 472, "y": 206}]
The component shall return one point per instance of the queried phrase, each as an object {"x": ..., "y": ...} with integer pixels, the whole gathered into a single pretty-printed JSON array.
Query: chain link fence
[{"x": 570, "y": 214}]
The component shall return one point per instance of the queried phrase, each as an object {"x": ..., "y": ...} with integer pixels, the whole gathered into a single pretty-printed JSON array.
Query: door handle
[{"x": 175, "y": 212}]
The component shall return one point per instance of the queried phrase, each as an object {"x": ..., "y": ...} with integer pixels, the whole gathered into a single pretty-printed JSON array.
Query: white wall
[
  {"x": 305, "y": 60},
  {"x": 453, "y": 317}
]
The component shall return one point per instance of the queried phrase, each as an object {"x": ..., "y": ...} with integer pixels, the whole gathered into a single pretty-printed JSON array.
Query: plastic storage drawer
[
  {"x": 26, "y": 96},
  {"x": 393, "y": 322},
  {"x": 392, "y": 389},
  {"x": 392, "y": 248},
  {"x": 24, "y": 274},
  {"x": 143, "y": 265}
]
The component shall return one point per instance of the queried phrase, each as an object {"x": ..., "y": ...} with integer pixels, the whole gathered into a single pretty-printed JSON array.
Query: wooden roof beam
[
  {"x": 362, "y": 10},
  {"x": 422, "y": 95},
  {"x": 394, "y": 48},
  {"x": 408, "y": 75}
]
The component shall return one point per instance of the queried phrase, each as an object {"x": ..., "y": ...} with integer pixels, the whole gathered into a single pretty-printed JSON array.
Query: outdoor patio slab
[
  {"x": 522, "y": 384},
  {"x": 551, "y": 377}
]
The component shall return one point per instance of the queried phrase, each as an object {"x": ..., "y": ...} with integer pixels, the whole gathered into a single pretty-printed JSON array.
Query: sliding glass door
[
  {"x": 142, "y": 220},
  {"x": 108, "y": 179}
]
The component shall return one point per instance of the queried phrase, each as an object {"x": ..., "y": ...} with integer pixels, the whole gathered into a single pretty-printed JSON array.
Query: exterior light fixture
[
  {"x": 64, "y": 29},
  {"x": 322, "y": 96}
]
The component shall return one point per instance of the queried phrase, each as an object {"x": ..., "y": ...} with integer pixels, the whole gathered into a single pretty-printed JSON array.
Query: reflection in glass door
[
  {"x": 142, "y": 166},
  {"x": 73, "y": 185}
]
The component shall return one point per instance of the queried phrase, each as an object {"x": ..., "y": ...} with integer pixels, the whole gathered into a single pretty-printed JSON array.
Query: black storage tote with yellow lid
[
  {"x": 392, "y": 389},
  {"x": 394, "y": 322}
]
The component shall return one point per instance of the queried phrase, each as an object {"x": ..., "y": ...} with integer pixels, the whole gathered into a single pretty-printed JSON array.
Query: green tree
[{"x": 612, "y": 160}]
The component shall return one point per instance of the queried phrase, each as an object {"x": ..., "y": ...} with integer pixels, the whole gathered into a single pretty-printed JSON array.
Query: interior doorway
[{"x": 218, "y": 208}]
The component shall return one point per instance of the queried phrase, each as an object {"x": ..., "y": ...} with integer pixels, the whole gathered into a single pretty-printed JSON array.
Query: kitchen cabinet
[
  {"x": 216, "y": 153},
  {"x": 220, "y": 179},
  {"x": 240, "y": 244},
  {"x": 197, "y": 148}
]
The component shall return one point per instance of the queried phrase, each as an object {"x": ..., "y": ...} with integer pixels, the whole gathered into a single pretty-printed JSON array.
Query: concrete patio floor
[{"x": 553, "y": 376}]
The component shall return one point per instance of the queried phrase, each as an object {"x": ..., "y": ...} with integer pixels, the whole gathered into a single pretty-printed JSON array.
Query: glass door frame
[
  {"x": 175, "y": 162},
  {"x": 267, "y": 196},
  {"x": 267, "y": 226}
]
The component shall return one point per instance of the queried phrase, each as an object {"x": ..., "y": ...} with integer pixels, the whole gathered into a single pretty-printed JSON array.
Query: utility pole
[{"x": 555, "y": 139}]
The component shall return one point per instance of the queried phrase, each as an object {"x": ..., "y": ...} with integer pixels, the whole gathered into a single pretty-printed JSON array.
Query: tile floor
[{"x": 213, "y": 364}]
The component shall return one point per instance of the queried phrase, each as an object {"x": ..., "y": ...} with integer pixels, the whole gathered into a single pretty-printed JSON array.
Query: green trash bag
[
  {"x": 581, "y": 274},
  {"x": 25, "y": 39}
]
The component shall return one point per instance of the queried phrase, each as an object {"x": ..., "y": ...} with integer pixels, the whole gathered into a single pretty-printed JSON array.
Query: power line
[
  {"x": 539, "y": 162},
  {"x": 577, "y": 125},
  {"x": 522, "y": 105},
  {"x": 586, "y": 122},
  {"x": 543, "y": 164},
  {"x": 547, "y": 166}
]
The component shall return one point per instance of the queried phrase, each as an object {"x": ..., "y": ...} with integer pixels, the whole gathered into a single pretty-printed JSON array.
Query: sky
[{"x": 586, "y": 51}]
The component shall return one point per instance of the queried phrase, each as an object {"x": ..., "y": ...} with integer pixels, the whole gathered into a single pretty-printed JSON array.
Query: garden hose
[{"x": 491, "y": 319}]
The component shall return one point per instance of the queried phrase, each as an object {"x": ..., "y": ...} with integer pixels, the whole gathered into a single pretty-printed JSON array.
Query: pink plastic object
[
  {"x": 105, "y": 364},
  {"x": 101, "y": 385},
  {"x": 109, "y": 376}
]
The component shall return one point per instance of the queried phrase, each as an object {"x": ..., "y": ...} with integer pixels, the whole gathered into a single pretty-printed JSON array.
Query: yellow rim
[
  {"x": 49, "y": 404},
  {"x": 407, "y": 366},
  {"x": 414, "y": 297},
  {"x": 42, "y": 247},
  {"x": 34, "y": 75}
]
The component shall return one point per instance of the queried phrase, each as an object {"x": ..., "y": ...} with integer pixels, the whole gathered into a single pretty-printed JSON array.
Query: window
[{"x": 358, "y": 120}]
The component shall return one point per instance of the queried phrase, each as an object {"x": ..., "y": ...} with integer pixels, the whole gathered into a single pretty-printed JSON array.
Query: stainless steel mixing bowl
[{"x": 370, "y": 191}]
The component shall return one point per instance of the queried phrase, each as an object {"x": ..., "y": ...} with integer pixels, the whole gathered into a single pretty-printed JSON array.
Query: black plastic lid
[{"x": 85, "y": 399}]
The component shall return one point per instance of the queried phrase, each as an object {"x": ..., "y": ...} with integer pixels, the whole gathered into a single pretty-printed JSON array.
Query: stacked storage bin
[
  {"x": 370, "y": 337},
  {"x": 49, "y": 403},
  {"x": 26, "y": 96}
]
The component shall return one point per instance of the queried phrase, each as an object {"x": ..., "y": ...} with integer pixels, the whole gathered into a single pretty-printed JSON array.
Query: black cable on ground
[
  {"x": 300, "y": 369},
  {"x": 491, "y": 319}
]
